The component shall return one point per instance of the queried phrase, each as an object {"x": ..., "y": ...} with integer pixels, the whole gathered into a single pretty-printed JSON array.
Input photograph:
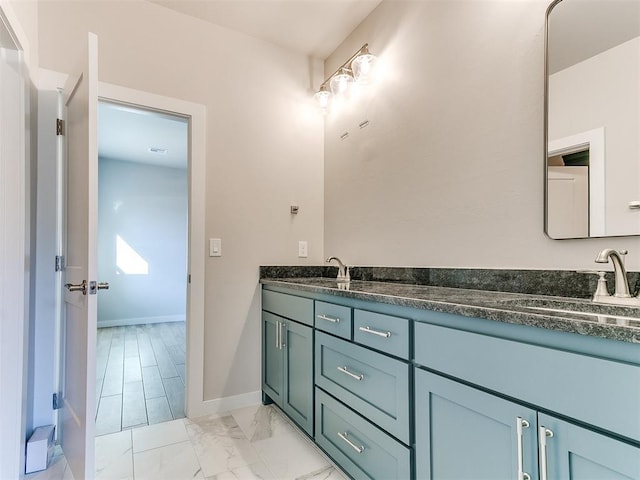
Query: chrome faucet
[
  {"x": 622, "y": 283},
  {"x": 343, "y": 270},
  {"x": 621, "y": 295}
]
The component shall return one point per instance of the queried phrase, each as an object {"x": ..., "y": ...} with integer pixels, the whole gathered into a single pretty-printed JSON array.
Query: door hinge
[
  {"x": 59, "y": 126},
  {"x": 59, "y": 263},
  {"x": 57, "y": 401}
]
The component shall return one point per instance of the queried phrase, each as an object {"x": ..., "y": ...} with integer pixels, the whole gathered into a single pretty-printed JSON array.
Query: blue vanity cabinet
[
  {"x": 392, "y": 392},
  {"x": 287, "y": 357},
  {"x": 571, "y": 452},
  {"x": 464, "y": 433}
]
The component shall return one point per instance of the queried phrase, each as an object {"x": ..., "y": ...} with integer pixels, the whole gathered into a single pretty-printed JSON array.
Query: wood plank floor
[{"x": 140, "y": 375}]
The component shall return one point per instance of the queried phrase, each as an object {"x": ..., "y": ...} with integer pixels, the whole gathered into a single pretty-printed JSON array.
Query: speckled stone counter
[
  {"x": 556, "y": 313},
  {"x": 561, "y": 283}
]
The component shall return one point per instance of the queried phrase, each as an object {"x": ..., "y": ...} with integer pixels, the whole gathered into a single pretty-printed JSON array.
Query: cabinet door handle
[
  {"x": 520, "y": 424},
  {"x": 328, "y": 319},
  {"x": 352, "y": 375},
  {"x": 283, "y": 336},
  {"x": 278, "y": 335},
  {"x": 344, "y": 436},
  {"x": 375, "y": 332},
  {"x": 543, "y": 434}
]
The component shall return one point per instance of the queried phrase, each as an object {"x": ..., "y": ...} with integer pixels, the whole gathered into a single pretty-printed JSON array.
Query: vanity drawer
[
  {"x": 382, "y": 332},
  {"x": 599, "y": 392},
  {"x": 296, "y": 308},
  {"x": 334, "y": 319},
  {"x": 359, "y": 447},
  {"x": 375, "y": 385}
]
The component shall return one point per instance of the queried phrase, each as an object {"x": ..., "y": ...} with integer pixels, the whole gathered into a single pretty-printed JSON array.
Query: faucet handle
[
  {"x": 593, "y": 272},
  {"x": 601, "y": 288}
]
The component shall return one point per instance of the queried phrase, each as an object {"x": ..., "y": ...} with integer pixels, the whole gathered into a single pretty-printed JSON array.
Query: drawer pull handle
[
  {"x": 543, "y": 434},
  {"x": 328, "y": 319},
  {"x": 375, "y": 332},
  {"x": 344, "y": 436},
  {"x": 352, "y": 375},
  {"x": 520, "y": 424}
]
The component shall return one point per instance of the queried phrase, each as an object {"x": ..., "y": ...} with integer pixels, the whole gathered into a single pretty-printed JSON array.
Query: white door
[
  {"x": 77, "y": 418},
  {"x": 568, "y": 202}
]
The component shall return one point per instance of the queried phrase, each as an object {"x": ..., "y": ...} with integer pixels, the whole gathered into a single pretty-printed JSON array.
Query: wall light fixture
[{"x": 358, "y": 69}]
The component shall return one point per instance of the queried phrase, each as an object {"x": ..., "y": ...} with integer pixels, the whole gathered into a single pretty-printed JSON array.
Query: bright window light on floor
[{"x": 128, "y": 260}]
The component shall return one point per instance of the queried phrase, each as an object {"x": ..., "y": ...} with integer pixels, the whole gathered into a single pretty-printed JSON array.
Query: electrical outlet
[{"x": 303, "y": 249}]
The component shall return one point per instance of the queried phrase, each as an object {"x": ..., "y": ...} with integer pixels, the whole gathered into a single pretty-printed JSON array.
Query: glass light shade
[
  {"x": 363, "y": 67},
  {"x": 341, "y": 82},
  {"x": 323, "y": 97}
]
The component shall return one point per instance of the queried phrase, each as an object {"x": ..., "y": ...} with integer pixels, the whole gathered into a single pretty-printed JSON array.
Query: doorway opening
[{"x": 143, "y": 201}]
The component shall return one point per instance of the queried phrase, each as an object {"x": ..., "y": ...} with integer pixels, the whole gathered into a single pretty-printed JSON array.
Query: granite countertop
[{"x": 578, "y": 316}]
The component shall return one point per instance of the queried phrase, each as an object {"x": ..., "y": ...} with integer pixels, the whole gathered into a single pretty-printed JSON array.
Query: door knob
[{"x": 80, "y": 287}]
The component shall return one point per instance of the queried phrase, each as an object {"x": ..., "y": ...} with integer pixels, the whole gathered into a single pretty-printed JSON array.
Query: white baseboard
[
  {"x": 122, "y": 322},
  {"x": 225, "y": 404}
]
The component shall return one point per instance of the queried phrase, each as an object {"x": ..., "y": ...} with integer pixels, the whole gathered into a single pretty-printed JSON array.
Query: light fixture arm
[{"x": 346, "y": 65}]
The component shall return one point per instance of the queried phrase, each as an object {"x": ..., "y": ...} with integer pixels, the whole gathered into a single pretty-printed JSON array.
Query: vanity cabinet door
[
  {"x": 272, "y": 357},
  {"x": 287, "y": 367},
  {"x": 297, "y": 399},
  {"x": 570, "y": 452},
  {"x": 462, "y": 432}
]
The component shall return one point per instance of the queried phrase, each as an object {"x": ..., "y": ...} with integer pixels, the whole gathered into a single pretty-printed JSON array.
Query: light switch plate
[
  {"x": 303, "y": 249},
  {"x": 215, "y": 247}
]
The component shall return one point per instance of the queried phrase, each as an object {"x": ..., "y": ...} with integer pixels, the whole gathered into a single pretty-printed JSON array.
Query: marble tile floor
[
  {"x": 140, "y": 375},
  {"x": 256, "y": 442}
]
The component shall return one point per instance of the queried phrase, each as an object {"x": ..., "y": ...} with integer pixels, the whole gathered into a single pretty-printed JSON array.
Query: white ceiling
[
  {"x": 311, "y": 27},
  {"x": 127, "y": 134}
]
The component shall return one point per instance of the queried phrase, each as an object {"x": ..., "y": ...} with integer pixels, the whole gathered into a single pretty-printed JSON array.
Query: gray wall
[
  {"x": 264, "y": 151},
  {"x": 142, "y": 210},
  {"x": 449, "y": 172}
]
